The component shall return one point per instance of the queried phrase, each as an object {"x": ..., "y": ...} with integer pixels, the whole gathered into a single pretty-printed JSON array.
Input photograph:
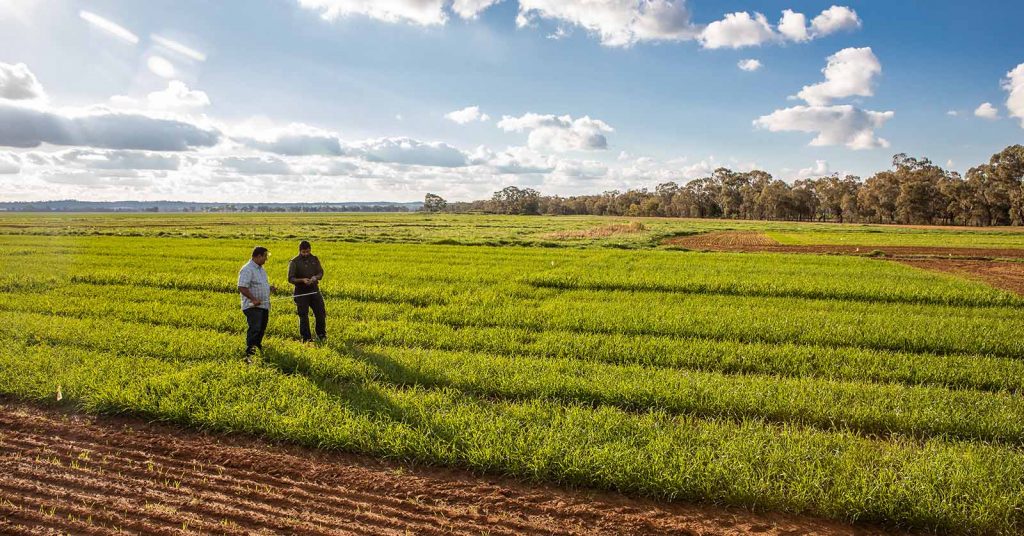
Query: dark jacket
[{"x": 302, "y": 267}]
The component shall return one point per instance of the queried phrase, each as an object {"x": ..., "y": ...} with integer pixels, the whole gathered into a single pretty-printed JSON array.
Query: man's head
[
  {"x": 305, "y": 249},
  {"x": 259, "y": 255}
]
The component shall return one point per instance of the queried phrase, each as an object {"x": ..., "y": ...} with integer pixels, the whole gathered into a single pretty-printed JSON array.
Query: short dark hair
[
  {"x": 304, "y": 245},
  {"x": 259, "y": 250}
]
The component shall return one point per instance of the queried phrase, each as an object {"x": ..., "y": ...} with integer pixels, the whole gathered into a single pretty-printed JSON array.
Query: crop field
[{"x": 564, "y": 350}]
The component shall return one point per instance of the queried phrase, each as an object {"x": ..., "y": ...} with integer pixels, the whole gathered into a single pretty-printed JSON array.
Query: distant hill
[{"x": 71, "y": 205}]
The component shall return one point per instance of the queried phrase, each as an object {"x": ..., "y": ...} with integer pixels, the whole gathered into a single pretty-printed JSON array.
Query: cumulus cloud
[
  {"x": 110, "y": 27},
  {"x": 18, "y": 83},
  {"x": 1014, "y": 85},
  {"x": 467, "y": 115},
  {"x": 470, "y": 9},
  {"x": 559, "y": 133},
  {"x": 29, "y": 127},
  {"x": 177, "y": 96},
  {"x": 819, "y": 169},
  {"x": 749, "y": 65},
  {"x": 738, "y": 30},
  {"x": 742, "y": 29},
  {"x": 423, "y": 12},
  {"x": 409, "y": 151},
  {"x": 835, "y": 125},
  {"x": 849, "y": 72},
  {"x": 986, "y": 111},
  {"x": 793, "y": 26},
  {"x": 513, "y": 160},
  {"x": 616, "y": 22},
  {"x": 835, "y": 19}
]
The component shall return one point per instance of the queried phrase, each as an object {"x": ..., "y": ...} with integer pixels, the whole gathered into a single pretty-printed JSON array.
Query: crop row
[
  {"x": 866, "y": 408},
  {"x": 934, "y": 484},
  {"x": 399, "y": 324}
]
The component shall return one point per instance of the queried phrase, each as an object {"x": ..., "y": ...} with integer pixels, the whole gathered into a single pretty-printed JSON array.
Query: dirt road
[{"x": 63, "y": 472}]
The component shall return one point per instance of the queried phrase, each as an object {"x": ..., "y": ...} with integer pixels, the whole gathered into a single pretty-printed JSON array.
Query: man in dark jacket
[{"x": 305, "y": 272}]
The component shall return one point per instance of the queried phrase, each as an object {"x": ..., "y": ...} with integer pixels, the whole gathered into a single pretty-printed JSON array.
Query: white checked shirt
[{"x": 253, "y": 277}]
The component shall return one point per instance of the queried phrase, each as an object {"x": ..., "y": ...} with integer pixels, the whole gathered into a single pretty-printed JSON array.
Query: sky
[{"x": 387, "y": 100}]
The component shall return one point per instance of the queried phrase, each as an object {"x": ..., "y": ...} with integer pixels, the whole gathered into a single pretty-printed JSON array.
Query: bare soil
[
  {"x": 745, "y": 241},
  {"x": 63, "y": 472},
  {"x": 1004, "y": 275}
]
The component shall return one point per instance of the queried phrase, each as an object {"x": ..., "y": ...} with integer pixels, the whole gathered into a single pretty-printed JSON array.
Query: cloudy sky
[{"x": 349, "y": 100}]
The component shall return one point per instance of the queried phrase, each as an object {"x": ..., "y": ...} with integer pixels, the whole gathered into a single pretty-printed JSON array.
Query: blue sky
[{"x": 341, "y": 100}]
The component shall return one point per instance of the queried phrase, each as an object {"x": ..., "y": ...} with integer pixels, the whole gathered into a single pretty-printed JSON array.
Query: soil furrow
[
  {"x": 117, "y": 458},
  {"x": 287, "y": 498}
]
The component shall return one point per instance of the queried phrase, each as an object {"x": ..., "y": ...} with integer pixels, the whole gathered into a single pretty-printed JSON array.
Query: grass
[{"x": 849, "y": 388}]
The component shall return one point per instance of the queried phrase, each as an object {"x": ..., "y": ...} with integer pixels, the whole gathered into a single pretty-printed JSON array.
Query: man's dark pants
[
  {"x": 257, "y": 318},
  {"x": 302, "y": 306}
]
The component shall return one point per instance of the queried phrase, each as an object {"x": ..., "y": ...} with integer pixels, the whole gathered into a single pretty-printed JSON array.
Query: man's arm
[
  {"x": 248, "y": 294},
  {"x": 291, "y": 273}
]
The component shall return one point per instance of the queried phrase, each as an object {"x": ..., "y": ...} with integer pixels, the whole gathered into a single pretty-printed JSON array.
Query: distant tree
[
  {"x": 434, "y": 203},
  {"x": 513, "y": 200}
]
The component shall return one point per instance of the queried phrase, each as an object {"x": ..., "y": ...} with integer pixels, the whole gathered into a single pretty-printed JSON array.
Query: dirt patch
[
  {"x": 724, "y": 241},
  {"x": 1004, "y": 275},
  {"x": 598, "y": 232},
  {"x": 70, "y": 473},
  {"x": 759, "y": 242}
]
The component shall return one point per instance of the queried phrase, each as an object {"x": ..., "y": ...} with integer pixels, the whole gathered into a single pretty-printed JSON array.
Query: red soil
[
  {"x": 70, "y": 473},
  {"x": 743, "y": 241}
]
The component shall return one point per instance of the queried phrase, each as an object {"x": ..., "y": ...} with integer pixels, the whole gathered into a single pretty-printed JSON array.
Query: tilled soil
[
  {"x": 64, "y": 472},
  {"x": 1004, "y": 275},
  {"x": 741, "y": 241}
]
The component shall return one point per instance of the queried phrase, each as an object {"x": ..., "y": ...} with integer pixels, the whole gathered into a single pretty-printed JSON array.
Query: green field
[{"x": 850, "y": 388}]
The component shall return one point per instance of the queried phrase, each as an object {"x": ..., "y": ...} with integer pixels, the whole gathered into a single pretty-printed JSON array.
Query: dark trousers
[
  {"x": 257, "y": 319},
  {"x": 302, "y": 306}
]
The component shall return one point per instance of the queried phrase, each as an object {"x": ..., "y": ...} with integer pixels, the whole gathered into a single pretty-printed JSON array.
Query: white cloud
[
  {"x": 819, "y": 169},
  {"x": 738, "y": 30},
  {"x": 470, "y": 9},
  {"x": 952, "y": 113},
  {"x": 424, "y": 12},
  {"x": 18, "y": 83},
  {"x": 160, "y": 67},
  {"x": 835, "y": 125},
  {"x": 834, "y": 19},
  {"x": 617, "y": 23},
  {"x": 849, "y": 72},
  {"x": 1014, "y": 85},
  {"x": 514, "y": 160},
  {"x": 177, "y": 96},
  {"x": 109, "y": 26},
  {"x": 986, "y": 111},
  {"x": 561, "y": 133},
  {"x": 29, "y": 127},
  {"x": 793, "y": 26},
  {"x": 467, "y": 115},
  {"x": 950, "y": 164},
  {"x": 749, "y": 65},
  {"x": 409, "y": 151}
]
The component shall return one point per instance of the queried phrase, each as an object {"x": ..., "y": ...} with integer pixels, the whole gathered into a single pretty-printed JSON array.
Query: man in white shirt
[{"x": 255, "y": 288}]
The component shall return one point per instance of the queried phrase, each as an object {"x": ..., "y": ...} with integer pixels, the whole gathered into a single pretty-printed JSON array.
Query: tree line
[{"x": 914, "y": 191}]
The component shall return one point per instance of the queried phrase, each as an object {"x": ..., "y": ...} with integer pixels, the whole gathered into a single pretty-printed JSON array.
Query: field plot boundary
[{"x": 67, "y": 471}]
